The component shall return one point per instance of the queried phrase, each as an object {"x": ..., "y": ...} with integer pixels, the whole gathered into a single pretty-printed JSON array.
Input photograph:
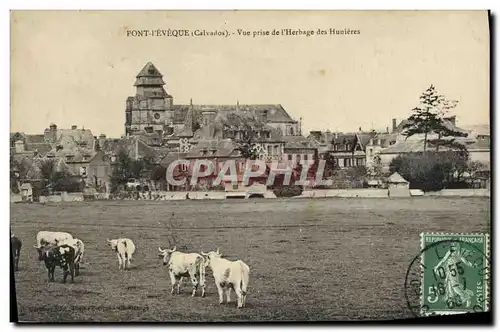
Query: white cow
[
  {"x": 228, "y": 275},
  {"x": 182, "y": 265},
  {"x": 124, "y": 248},
  {"x": 44, "y": 238},
  {"x": 79, "y": 247}
]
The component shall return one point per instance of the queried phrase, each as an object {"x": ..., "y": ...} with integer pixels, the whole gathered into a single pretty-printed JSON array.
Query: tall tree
[
  {"x": 429, "y": 117},
  {"x": 247, "y": 145}
]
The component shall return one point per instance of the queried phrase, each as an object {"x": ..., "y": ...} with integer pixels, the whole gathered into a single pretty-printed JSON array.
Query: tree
[
  {"x": 126, "y": 168},
  {"x": 429, "y": 118},
  {"x": 58, "y": 180},
  {"x": 247, "y": 145},
  {"x": 431, "y": 171}
]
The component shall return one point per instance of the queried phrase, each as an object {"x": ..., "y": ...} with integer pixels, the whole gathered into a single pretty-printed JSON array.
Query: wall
[
  {"x": 461, "y": 192},
  {"x": 15, "y": 198},
  {"x": 364, "y": 192}
]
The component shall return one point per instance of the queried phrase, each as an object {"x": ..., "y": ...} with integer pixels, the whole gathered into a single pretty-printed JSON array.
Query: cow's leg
[
  {"x": 173, "y": 280},
  {"x": 16, "y": 261},
  {"x": 119, "y": 261},
  {"x": 49, "y": 274},
  {"x": 129, "y": 261},
  {"x": 72, "y": 271},
  {"x": 126, "y": 261},
  {"x": 239, "y": 295},
  {"x": 228, "y": 294},
  {"x": 77, "y": 269},
  {"x": 65, "y": 273},
  {"x": 194, "y": 281},
  {"x": 179, "y": 284},
  {"x": 220, "y": 289}
]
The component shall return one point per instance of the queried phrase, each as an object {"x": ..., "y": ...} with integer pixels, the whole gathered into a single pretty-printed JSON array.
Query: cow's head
[
  {"x": 165, "y": 254},
  {"x": 42, "y": 252},
  {"x": 112, "y": 244},
  {"x": 209, "y": 255}
]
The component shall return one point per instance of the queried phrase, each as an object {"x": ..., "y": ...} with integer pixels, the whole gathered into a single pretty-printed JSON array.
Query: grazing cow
[
  {"x": 15, "y": 245},
  {"x": 228, "y": 275},
  {"x": 124, "y": 248},
  {"x": 182, "y": 265},
  {"x": 79, "y": 247},
  {"x": 62, "y": 256},
  {"x": 44, "y": 238}
]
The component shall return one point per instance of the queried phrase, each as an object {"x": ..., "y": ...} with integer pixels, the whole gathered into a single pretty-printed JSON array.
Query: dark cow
[
  {"x": 62, "y": 256},
  {"x": 15, "y": 245}
]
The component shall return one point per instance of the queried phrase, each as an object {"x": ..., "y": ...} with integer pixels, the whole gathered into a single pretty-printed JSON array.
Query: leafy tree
[
  {"x": 247, "y": 145},
  {"x": 126, "y": 168},
  {"x": 58, "y": 180},
  {"x": 429, "y": 118},
  {"x": 430, "y": 171}
]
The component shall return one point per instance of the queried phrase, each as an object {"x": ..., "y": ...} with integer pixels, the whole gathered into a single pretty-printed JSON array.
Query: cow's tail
[
  {"x": 245, "y": 275},
  {"x": 201, "y": 266}
]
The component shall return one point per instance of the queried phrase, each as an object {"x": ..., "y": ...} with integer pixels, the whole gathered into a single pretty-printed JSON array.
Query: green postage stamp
[{"x": 455, "y": 272}]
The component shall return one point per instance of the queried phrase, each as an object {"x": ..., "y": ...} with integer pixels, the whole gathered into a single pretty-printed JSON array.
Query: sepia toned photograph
[{"x": 250, "y": 166}]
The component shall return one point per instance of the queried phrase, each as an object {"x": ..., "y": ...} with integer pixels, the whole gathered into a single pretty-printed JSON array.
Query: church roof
[
  {"x": 275, "y": 113},
  {"x": 149, "y": 75}
]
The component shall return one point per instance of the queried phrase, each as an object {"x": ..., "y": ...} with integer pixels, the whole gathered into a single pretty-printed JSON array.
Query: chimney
[
  {"x": 387, "y": 130},
  {"x": 394, "y": 125},
  {"x": 19, "y": 146},
  {"x": 101, "y": 140},
  {"x": 452, "y": 119},
  {"x": 359, "y": 129},
  {"x": 52, "y": 133},
  {"x": 73, "y": 127},
  {"x": 263, "y": 116}
]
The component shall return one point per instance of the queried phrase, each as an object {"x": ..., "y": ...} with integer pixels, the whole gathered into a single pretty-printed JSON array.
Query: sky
[{"x": 78, "y": 68}]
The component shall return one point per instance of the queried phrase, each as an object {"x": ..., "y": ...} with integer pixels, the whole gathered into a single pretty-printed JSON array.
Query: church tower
[{"x": 150, "y": 110}]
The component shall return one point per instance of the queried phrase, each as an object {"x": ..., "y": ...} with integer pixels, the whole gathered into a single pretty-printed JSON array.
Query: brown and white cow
[
  {"x": 124, "y": 249},
  {"x": 180, "y": 265}
]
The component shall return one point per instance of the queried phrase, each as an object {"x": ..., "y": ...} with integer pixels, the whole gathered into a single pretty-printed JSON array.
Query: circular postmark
[{"x": 450, "y": 275}]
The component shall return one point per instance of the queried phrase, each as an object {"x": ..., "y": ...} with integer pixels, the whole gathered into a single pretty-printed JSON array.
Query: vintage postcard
[{"x": 250, "y": 166}]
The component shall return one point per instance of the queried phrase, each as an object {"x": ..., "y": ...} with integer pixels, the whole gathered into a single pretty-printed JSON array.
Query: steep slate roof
[
  {"x": 72, "y": 138},
  {"x": 275, "y": 113},
  {"x": 480, "y": 129},
  {"x": 79, "y": 155},
  {"x": 35, "y": 139},
  {"x": 480, "y": 144},
  {"x": 149, "y": 75},
  {"x": 299, "y": 142},
  {"x": 214, "y": 148},
  {"x": 447, "y": 123},
  {"x": 41, "y": 148},
  {"x": 128, "y": 144},
  {"x": 396, "y": 178}
]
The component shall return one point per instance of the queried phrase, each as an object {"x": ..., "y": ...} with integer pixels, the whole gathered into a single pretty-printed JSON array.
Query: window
[
  {"x": 371, "y": 150},
  {"x": 305, "y": 157},
  {"x": 298, "y": 157},
  {"x": 269, "y": 149},
  {"x": 290, "y": 157},
  {"x": 336, "y": 147},
  {"x": 291, "y": 131}
]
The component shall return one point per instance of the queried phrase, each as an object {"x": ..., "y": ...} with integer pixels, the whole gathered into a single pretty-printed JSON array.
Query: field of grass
[{"x": 318, "y": 259}]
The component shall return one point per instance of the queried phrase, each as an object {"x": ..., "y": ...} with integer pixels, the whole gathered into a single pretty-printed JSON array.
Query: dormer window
[
  {"x": 86, "y": 157},
  {"x": 69, "y": 158}
]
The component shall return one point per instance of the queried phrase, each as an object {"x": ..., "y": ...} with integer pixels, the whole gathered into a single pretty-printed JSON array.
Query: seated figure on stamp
[{"x": 455, "y": 283}]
